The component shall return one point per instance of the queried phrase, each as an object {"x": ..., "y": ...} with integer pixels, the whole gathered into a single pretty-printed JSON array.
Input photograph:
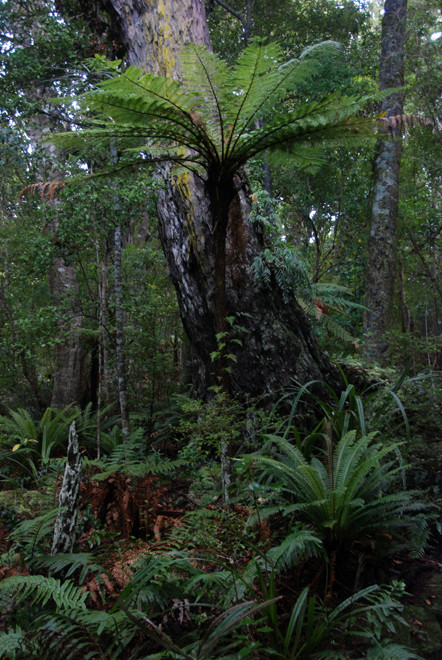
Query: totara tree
[
  {"x": 212, "y": 122},
  {"x": 278, "y": 343}
]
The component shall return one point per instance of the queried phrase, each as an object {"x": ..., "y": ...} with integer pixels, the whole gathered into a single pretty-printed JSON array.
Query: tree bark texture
[
  {"x": 70, "y": 368},
  {"x": 64, "y": 530},
  {"x": 381, "y": 262},
  {"x": 278, "y": 343}
]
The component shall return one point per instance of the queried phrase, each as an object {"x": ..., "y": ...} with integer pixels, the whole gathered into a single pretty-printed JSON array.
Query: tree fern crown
[{"x": 217, "y": 116}]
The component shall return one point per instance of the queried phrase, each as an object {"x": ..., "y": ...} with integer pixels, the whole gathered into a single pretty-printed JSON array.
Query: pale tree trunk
[
  {"x": 64, "y": 529},
  {"x": 278, "y": 343},
  {"x": 70, "y": 376},
  {"x": 69, "y": 379},
  {"x": 119, "y": 314},
  {"x": 380, "y": 273}
]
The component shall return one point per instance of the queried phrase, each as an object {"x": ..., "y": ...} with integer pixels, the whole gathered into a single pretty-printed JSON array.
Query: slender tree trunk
[
  {"x": 278, "y": 344},
  {"x": 380, "y": 274},
  {"x": 119, "y": 314}
]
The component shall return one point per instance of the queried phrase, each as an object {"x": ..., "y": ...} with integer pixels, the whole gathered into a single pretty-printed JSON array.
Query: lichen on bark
[{"x": 64, "y": 530}]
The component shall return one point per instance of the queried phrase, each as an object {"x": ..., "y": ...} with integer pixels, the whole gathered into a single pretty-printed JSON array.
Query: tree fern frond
[
  {"x": 336, "y": 329},
  {"x": 326, "y": 48},
  {"x": 206, "y": 75}
]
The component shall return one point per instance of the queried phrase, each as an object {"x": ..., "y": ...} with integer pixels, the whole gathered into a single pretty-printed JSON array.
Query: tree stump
[{"x": 64, "y": 530}]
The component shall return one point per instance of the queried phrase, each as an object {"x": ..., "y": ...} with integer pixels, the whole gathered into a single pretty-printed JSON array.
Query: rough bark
[
  {"x": 382, "y": 244},
  {"x": 278, "y": 343},
  {"x": 64, "y": 530}
]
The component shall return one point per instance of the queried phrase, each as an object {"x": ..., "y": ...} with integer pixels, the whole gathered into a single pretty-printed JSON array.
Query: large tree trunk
[
  {"x": 382, "y": 244},
  {"x": 278, "y": 343}
]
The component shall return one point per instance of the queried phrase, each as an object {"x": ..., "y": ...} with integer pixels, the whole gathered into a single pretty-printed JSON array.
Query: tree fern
[
  {"x": 208, "y": 123},
  {"x": 211, "y": 117}
]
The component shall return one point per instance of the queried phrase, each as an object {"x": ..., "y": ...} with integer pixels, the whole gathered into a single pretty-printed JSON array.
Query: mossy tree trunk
[
  {"x": 381, "y": 264},
  {"x": 209, "y": 253}
]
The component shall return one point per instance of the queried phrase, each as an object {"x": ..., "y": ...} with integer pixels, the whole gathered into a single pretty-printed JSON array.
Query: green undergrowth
[{"x": 308, "y": 559}]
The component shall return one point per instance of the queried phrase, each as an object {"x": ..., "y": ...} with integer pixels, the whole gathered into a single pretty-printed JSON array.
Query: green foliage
[
  {"x": 347, "y": 409},
  {"x": 204, "y": 426},
  {"x": 282, "y": 265},
  {"x": 40, "y": 589},
  {"x": 50, "y": 432},
  {"x": 218, "y": 130},
  {"x": 346, "y": 492},
  {"x": 212, "y": 645},
  {"x": 295, "y": 547},
  {"x": 317, "y": 631},
  {"x": 33, "y": 537}
]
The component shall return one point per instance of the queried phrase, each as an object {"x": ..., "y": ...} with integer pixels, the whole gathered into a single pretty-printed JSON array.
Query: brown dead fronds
[
  {"x": 46, "y": 189},
  {"x": 398, "y": 123}
]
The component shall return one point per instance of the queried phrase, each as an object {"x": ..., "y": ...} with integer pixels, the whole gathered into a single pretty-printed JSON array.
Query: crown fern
[{"x": 347, "y": 493}]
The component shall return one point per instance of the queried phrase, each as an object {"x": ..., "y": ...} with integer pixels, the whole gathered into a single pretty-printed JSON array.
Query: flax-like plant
[{"x": 217, "y": 117}]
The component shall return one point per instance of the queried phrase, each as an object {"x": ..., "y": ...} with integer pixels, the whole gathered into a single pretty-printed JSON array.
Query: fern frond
[
  {"x": 69, "y": 563},
  {"x": 11, "y": 642},
  {"x": 297, "y": 546},
  {"x": 31, "y": 533},
  {"x": 41, "y": 589},
  {"x": 391, "y": 651}
]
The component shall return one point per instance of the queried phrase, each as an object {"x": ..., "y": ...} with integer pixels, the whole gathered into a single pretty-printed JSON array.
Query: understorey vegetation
[{"x": 323, "y": 530}]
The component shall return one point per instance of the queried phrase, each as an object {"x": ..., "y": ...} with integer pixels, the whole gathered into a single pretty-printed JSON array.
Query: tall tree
[
  {"x": 278, "y": 343},
  {"x": 381, "y": 261}
]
